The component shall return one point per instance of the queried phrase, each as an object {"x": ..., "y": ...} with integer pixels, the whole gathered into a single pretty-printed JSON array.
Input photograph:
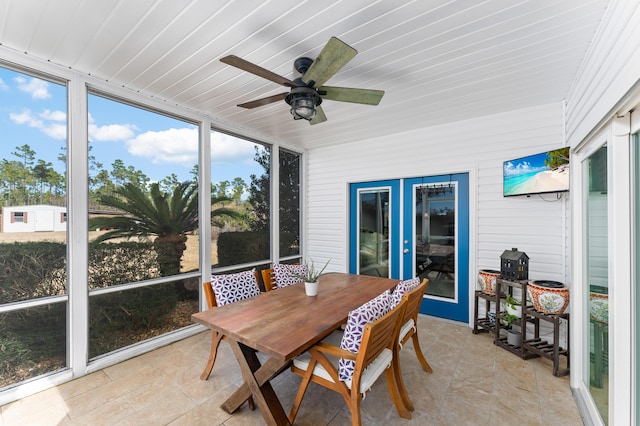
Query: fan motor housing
[
  {"x": 302, "y": 64},
  {"x": 299, "y": 92}
]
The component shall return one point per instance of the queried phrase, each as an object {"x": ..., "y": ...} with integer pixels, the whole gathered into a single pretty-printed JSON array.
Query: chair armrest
[{"x": 334, "y": 351}]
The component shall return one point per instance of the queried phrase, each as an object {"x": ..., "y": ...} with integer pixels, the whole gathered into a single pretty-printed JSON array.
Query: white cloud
[
  {"x": 48, "y": 122},
  {"x": 56, "y": 131},
  {"x": 180, "y": 146},
  {"x": 27, "y": 118},
  {"x": 167, "y": 146},
  {"x": 521, "y": 168},
  {"x": 3, "y": 85},
  {"x": 38, "y": 89},
  {"x": 111, "y": 132},
  {"x": 229, "y": 149},
  {"x": 53, "y": 115}
]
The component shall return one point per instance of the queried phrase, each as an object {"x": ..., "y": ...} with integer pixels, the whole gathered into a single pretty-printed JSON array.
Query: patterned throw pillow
[
  {"x": 402, "y": 288},
  {"x": 229, "y": 288},
  {"x": 358, "y": 319},
  {"x": 286, "y": 275}
]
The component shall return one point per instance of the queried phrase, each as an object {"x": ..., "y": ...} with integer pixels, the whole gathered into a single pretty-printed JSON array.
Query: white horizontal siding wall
[
  {"x": 536, "y": 225},
  {"x": 610, "y": 69}
]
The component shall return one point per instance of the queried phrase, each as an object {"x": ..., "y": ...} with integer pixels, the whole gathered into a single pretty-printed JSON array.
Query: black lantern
[
  {"x": 514, "y": 265},
  {"x": 303, "y": 101}
]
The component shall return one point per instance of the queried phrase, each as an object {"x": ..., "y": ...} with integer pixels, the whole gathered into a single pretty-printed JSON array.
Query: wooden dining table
[{"x": 282, "y": 324}]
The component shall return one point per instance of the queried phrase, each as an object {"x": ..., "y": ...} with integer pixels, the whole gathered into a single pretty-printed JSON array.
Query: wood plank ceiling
[{"x": 438, "y": 61}]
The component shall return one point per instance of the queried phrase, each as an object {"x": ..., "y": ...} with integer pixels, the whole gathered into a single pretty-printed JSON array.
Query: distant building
[{"x": 37, "y": 218}]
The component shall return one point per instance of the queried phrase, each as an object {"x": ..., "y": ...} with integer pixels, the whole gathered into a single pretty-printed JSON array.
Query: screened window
[
  {"x": 289, "y": 200},
  {"x": 240, "y": 179},
  {"x": 33, "y": 336},
  {"x": 143, "y": 223}
]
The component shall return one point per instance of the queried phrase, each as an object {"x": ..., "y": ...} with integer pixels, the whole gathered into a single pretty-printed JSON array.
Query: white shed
[{"x": 37, "y": 218}]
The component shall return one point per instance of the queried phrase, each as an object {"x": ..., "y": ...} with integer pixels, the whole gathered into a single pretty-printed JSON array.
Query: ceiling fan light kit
[
  {"x": 303, "y": 101},
  {"x": 307, "y": 91}
]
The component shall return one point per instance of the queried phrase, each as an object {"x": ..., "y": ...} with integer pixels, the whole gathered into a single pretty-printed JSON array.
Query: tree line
[{"x": 26, "y": 180}]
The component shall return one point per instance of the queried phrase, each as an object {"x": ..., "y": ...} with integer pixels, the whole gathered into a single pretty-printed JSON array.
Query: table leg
[{"x": 256, "y": 383}]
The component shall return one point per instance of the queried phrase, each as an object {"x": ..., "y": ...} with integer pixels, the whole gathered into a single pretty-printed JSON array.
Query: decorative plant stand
[
  {"x": 486, "y": 324},
  {"x": 533, "y": 346},
  {"x": 552, "y": 351}
]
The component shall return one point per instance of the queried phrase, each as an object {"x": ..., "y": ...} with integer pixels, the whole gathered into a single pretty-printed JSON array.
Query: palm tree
[{"x": 167, "y": 216}]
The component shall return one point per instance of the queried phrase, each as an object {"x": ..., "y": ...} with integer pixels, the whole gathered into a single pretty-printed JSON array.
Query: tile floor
[{"x": 473, "y": 383}]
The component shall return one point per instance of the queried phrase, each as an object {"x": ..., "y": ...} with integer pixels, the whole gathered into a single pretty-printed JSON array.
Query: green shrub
[
  {"x": 32, "y": 269},
  {"x": 137, "y": 308},
  {"x": 242, "y": 247},
  {"x": 120, "y": 263},
  {"x": 32, "y": 342}
]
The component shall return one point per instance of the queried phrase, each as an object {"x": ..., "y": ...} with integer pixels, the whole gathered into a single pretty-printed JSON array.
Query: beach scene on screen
[{"x": 539, "y": 173}]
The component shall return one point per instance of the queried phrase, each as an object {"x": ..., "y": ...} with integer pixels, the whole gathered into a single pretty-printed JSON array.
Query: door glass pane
[
  {"x": 373, "y": 223},
  {"x": 597, "y": 277},
  {"x": 435, "y": 227}
]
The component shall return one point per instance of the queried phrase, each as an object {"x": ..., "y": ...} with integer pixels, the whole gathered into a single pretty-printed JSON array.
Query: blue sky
[
  {"x": 533, "y": 163},
  {"x": 34, "y": 112}
]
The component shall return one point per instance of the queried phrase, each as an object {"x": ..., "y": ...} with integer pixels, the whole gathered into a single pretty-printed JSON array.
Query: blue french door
[
  {"x": 436, "y": 242},
  {"x": 415, "y": 227}
]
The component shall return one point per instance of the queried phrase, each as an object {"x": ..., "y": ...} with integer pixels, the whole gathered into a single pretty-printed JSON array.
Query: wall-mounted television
[{"x": 537, "y": 174}]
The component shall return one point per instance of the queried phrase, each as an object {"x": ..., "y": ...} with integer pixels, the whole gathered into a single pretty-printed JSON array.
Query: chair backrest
[
  {"x": 270, "y": 276},
  {"x": 268, "y": 279},
  {"x": 210, "y": 294},
  {"x": 354, "y": 329},
  {"x": 414, "y": 300},
  {"x": 285, "y": 274},
  {"x": 378, "y": 335}
]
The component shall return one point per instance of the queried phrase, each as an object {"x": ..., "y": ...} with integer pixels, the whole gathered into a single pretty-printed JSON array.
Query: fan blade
[
  {"x": 264, "y": 101},
  {"x": 334, "y": 55},
  {"x": 319, "y": 117},
  {"x": 348, "y": 94},
  {"x": 257, "y": 70}
]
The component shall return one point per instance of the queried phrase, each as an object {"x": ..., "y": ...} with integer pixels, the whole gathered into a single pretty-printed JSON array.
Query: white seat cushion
[
  {"x": 406, "y": 328},
  {"x": 369, "y": 376}
]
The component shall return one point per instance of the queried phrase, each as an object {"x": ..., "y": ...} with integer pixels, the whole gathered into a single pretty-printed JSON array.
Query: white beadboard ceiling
[{"x": 438, "y": 61}]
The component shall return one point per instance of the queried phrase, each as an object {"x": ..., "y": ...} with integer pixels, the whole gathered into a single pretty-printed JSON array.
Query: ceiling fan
[{"x": 307, "y": 91}]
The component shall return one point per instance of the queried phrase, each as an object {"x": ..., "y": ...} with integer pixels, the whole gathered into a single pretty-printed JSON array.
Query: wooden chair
[
  {"x": 216, "y": 337},
  {"x": 373, "y": 358},
  {"x": 268, "y": 279},
  {"x": 409, "y": 329}
]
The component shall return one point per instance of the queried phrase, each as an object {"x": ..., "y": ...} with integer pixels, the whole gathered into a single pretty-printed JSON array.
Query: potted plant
[
  {"x": 311, "y": 278},
  {"x": 514, "y": 337},
  {"x": 513, "y": 306}
]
